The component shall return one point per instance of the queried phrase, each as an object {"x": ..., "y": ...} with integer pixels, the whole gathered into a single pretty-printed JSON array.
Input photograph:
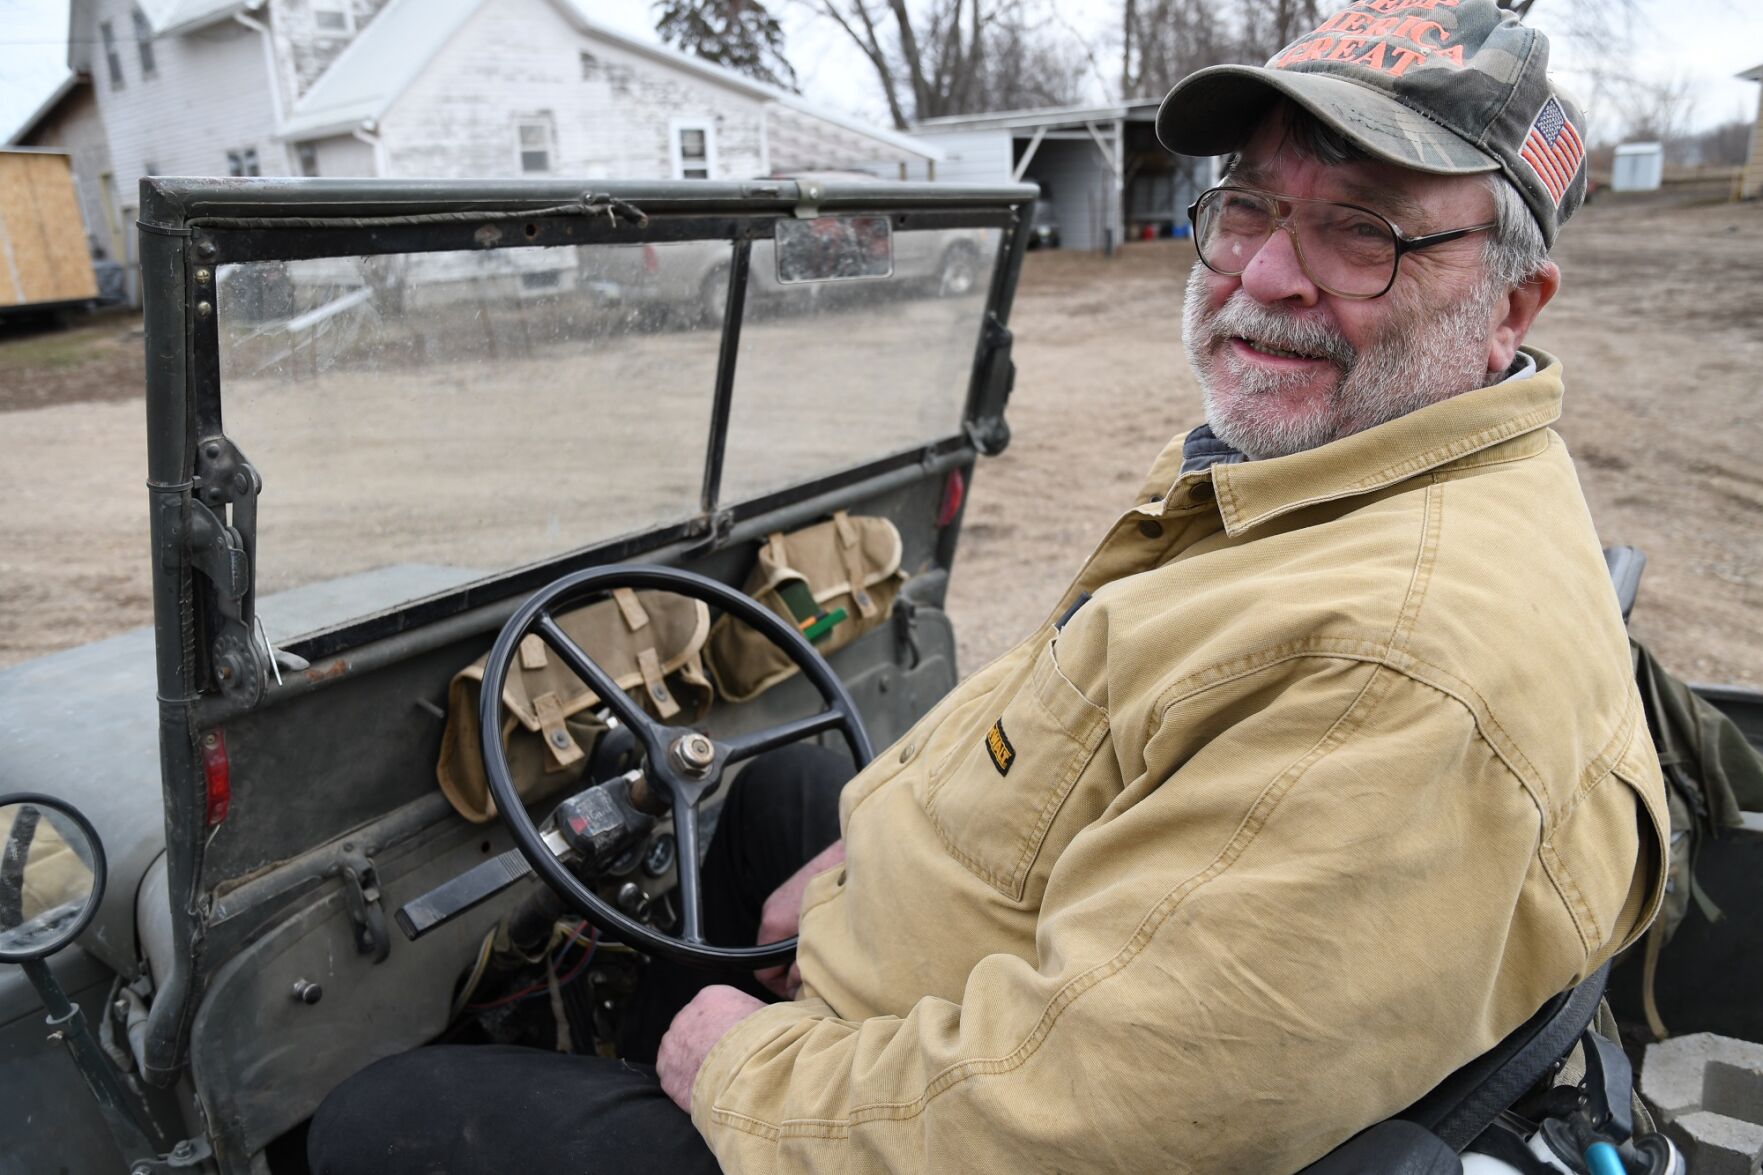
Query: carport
[{"x": 1102, "y": 173}]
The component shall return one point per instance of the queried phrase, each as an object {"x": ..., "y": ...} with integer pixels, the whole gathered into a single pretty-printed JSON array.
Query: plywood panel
[{"x": 43, "y": 250}]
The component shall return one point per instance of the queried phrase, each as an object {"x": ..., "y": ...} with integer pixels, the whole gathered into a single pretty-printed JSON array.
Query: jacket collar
[{"x": 1253, "y": 492}]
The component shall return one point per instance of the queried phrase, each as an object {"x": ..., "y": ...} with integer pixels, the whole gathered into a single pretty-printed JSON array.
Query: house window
[
  {"x": 590, "y": 66},
  {"x": 308, "y": 154},
  {"x": 535, "y": 146},
  {"x": 333, "y": 18},
  {"x": 694, "y": 150},
  {"x": 144, "y": 43},
  {"x": 242, "y": 162},
  {"x": 112, "y": 58}
]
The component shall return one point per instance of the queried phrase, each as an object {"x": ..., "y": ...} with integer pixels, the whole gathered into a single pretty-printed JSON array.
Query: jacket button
[
  {"x": 906, "y": 752},
  {"x": 1151, "y": 529},
  {"x": 1202, "y": 491}
]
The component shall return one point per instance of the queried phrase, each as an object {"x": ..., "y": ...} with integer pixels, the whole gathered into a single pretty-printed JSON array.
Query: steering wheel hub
[{"x": 693, "y": 754}]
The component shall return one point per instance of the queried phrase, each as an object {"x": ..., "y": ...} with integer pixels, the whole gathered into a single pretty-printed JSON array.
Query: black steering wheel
[{"x": 684, "y": 765}]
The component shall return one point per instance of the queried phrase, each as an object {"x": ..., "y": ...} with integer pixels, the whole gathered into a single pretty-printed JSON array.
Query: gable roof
[
  {"x": 169, "y": 16},
  {"x": 376, "y": 68},
  {"x": 165, "y": 16},
  {"x": 1754, "y": 74},
  {"x": 389, "y": 54},
  {"x": 69, "y": 84}
]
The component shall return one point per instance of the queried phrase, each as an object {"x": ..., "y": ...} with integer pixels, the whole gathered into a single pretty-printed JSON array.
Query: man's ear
[{"x": 1518, "y": 310}]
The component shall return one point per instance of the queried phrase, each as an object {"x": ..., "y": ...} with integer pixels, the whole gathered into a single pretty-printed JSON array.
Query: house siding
[
  {"x": 969, "y": 157},
  {"x": 1751, "y": 181},
  {"x": 799, "y": 141},
  {"x": 76, "y": 127},
  {"x": 610, "y": 112},
  {"x": 345, "y": 156},
  {"x": 210, "y": 94}
]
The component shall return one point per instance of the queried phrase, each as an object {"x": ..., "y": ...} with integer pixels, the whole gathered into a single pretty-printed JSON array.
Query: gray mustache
[{"x": 1245, "y": 317}]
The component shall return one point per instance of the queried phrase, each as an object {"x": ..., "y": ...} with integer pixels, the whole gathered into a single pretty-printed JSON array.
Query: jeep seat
[{"x": 1425, "y": 1138}]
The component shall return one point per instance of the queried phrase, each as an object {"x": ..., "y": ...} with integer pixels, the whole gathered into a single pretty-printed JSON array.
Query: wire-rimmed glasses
[{"x": 1349, "y": 251}]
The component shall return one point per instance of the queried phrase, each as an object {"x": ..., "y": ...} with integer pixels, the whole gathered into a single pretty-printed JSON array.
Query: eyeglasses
[{"x": 1349, "y": 251}]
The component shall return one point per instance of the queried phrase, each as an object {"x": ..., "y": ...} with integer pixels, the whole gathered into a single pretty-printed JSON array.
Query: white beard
[{"x": 1426, "y": 355}]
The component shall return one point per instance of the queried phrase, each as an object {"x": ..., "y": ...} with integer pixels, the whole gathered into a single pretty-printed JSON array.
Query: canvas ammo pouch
[
  {"x": 834, "y": 581},
  {"x": 651, "y": 643}
]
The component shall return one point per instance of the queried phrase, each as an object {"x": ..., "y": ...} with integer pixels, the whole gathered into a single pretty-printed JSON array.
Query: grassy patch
[{"x": 60, "y": 350}]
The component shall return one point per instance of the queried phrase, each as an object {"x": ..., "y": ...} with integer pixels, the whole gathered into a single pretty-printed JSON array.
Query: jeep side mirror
[
  {"x": 51, "y": 880},
  {"x": 51, "y": 876}
]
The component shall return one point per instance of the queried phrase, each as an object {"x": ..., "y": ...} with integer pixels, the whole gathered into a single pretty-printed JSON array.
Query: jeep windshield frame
[{"x": 213, "y": 662}]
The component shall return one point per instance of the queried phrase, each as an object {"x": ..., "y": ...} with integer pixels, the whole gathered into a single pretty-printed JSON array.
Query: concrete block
[
  {"x": 1708, "y": 1093},
  {"x": 1713, "y": 1144}
]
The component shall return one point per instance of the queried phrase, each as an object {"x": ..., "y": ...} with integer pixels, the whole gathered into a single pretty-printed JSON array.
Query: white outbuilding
[
  {"x": 1639, "y": 167},
  {"x": 1104, "y": 178}
]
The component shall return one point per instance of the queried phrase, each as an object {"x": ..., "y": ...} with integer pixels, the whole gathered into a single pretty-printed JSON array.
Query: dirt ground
[{"x": 1660, "y": 323}]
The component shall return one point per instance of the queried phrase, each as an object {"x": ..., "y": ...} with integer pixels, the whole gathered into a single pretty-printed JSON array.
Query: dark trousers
[{"x": 471, "y": 1109}]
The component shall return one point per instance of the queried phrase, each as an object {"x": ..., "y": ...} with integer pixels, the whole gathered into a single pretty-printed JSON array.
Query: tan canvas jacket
[{"x": 1338, "y": 775}]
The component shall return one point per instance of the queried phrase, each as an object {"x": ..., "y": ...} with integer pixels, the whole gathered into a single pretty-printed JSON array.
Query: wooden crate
[{"x": 44, "y": 256}]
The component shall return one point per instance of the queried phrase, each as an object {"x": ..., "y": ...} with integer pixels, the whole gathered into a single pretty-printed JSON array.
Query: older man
[{"x": 1327, "y": 770}]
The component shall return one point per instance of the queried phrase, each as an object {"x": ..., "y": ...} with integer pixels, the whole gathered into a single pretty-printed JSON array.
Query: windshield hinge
[
  {"x": 223, "y": 547},
  {"x": 715, "y": 528},
  {"x": 809, "y": 194},
  {"x": 994, "y": 378},
  {"x": 361, "y": 883}
]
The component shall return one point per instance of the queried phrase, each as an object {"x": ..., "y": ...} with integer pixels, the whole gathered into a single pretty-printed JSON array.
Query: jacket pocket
[{"x": 993, "y": 798}]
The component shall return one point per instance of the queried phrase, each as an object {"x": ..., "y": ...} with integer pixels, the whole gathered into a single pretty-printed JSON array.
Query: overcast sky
[{"x": 1707, "y": 41}]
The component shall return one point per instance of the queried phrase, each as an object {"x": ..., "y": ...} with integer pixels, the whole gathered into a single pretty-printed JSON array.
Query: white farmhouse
[{"x": 452, "y": 89}]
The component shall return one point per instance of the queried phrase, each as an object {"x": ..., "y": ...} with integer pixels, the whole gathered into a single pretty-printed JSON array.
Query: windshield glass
[
  {"x": 452, "y": 415},
  {"x": 423, "y": 421},
  {"x": 833, "y": 374}
]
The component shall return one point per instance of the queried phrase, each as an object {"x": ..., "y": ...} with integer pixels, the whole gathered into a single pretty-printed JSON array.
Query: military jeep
[
  {"x": 399, "y": 429},
  {"x": 380, "y": 417}
]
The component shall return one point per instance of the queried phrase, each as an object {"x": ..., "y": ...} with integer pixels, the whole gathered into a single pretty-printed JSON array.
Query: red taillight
[
  {"x": 651, "y": 259},
  {"x": 954, "y": 493},
  {"x": 217, "y": 773}
]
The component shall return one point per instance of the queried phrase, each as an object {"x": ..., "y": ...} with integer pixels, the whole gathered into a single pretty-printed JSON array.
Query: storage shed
[
  {"x": 1104, "y": 177},
  {"x": 44, "y": 262},
  {"x": 1638, "y": 168}
]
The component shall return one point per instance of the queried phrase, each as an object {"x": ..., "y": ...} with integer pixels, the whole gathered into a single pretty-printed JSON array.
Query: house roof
[
  {"x": 382, "y": 62},
  {"x": 165, "y": 16},
  {"x": 170, "y": 16},
  {"x": 1134, "y": 110},
  {"x": 68, "y": 85},
  {"x": 1754, "y": 74},
  {"x": 398, "y": 44}
]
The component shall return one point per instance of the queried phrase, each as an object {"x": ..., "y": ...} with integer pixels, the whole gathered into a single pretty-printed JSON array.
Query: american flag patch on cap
[{"x": 1553, "y": 149}]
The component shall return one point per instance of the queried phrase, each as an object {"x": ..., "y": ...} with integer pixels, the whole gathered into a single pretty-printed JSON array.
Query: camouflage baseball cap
[{"x": 1445, "y": 86}]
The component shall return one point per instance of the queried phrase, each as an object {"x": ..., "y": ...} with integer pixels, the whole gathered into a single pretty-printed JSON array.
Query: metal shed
[
  {"x": 1102, "y": 172},
  {"x": 1639, "y": 167}
]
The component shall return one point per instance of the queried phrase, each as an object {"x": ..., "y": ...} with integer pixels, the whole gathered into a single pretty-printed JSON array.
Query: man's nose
[{"x": 1276, "y": 275}]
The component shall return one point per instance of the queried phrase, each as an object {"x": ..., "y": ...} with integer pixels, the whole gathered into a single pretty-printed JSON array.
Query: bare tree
[
  {"x": 946, "y": 57},
  {"x": 740, "y": 34},
  {"x": 1658, "y": 109},
  {"x": 1165, "y": 40}
]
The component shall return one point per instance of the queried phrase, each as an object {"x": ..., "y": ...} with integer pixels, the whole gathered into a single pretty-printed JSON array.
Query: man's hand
[
  {"x": 694, "y": 1032},
  {"x": 782, "y": 917}
]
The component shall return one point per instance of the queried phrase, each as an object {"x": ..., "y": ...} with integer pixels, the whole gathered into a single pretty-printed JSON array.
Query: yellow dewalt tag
[{"x": 999, "y": 748}]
